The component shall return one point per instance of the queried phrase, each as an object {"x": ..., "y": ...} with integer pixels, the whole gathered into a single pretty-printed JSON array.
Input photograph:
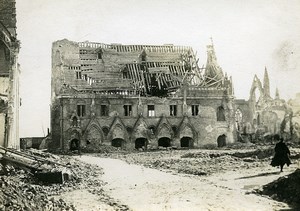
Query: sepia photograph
[{"x": 162, "y": 105}]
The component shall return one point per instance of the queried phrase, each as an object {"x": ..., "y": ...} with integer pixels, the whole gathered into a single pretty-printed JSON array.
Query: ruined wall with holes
[
  {"x": 262, "y": 116},
  {"x": 91, "y": 75},
  {"x": 94, "y": 130},
  {"x": 9, "y": 76}
]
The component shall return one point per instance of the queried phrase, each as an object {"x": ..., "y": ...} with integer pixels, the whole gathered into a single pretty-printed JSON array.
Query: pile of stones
[
  {"x": 20, "y": 190},
  {"x": 286, "y": 189}
]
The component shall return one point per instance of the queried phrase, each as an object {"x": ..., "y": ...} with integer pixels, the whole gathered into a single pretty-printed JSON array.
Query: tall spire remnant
[
  {"x": 213, "y": 72},
  {"x": 266, "y": 85},
  {"x": 277, "y": 97}
]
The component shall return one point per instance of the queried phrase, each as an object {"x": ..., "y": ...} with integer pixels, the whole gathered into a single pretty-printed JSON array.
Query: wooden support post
[{"x": 158, "y": 81}]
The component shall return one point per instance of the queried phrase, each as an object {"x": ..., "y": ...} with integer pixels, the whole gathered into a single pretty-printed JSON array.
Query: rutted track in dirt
[{"x": 148, "y": 189}]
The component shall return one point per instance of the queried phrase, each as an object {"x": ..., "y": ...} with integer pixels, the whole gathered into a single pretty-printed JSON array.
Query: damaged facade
[
  {"x": 9, "y": 76},
  {"x": 294, "y": 104},
  {"x": 138, "y": 96},
  {"x": 261, "y": 116}
]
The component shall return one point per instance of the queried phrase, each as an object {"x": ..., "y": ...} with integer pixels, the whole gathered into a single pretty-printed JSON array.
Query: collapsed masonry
[
  {"x": 138, "y": 96},
  {"x": 262, "y": 116}
]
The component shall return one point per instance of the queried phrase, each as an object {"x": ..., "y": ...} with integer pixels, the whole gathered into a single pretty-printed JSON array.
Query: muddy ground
[{"x": 227, "y": 179}]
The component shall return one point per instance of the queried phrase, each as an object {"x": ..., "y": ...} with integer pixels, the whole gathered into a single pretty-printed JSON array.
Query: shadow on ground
[{"x": 260, "y": 175}]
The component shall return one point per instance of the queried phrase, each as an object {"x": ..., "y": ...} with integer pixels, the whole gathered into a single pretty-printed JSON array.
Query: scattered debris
[
  {"x": 22, "y": 190},
  {"x": 286, "y": 189},
  {"x": 45, "y": 169},
  {"x": 202, "y": 162}
]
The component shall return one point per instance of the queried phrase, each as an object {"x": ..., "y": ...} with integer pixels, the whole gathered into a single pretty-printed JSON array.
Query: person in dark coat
[{"x": 282, "y": 154}]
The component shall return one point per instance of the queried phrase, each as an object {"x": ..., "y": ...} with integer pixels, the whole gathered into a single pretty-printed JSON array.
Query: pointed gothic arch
[
  {"x": 93, "y": 135},
  {"x": 118, "y": 131},
  {"x": 186, "y": 133},
  {"x": 140, "y": 129},
  {"x": 164, "y": 128},
  {"x": 256, "y": 85},
  {"x": 187, "y": 129}
]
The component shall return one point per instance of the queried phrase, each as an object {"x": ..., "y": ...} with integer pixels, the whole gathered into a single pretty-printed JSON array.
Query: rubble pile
[
  {"x": 18, "y": 192},
  {"x": 100, "y": 149},
  {"x": 286, "y": 189},
  {"x": 198, "y": 162},
  {"x": 258, "y": 153},
  {"x": 21, "y": 190},
  {"x": 203, "y": 162}
]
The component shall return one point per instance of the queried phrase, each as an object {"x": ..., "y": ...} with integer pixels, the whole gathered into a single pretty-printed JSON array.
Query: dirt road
[{"x": 148, "y": 189}]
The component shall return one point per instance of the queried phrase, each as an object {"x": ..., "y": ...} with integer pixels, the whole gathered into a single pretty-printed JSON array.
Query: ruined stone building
[
  {"x": 294, "y": 104},
  {"x": 9, "y": 76},
  {"x": 138, "y": 96},
  {"x": 261, "y": 115}
]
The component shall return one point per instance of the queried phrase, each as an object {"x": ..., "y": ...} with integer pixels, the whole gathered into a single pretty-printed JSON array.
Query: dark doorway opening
[
  {"x": 164, "y": 142},
  {"x": 221, "y": 141},
  {"x": 74, "y": 144},
  {"x": 118, "y": 142},
  {"x": 141, "y": 143},
  {"x": 186, "y": 142}
]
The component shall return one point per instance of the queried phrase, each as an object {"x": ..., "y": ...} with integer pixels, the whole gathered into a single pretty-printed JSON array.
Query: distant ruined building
[
  {"x": 261, "y": 115},
  {"x": 294, "y": 119},
  {"x": 9, "y": 76},
  {"x": 138, "y": 96}
]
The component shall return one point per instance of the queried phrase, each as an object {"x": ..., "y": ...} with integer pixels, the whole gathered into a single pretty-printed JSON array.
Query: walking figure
[{"x": 282, "y": 154}]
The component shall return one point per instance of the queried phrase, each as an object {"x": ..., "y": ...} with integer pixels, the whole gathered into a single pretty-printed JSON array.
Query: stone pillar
[{"x": 184, "y": 105}]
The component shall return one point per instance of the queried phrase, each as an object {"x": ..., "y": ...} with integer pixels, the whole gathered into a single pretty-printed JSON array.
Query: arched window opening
[
  {"x": 258, "y": 119},
  {"x": 105, "y": 130},
  {"x": 238, "y": 119},
  {"x": 74, "y": 144},
  {"x": 74, "y": 121},
  {"x": 99, "y": 54},
  {"x": 220, "y": 114}
]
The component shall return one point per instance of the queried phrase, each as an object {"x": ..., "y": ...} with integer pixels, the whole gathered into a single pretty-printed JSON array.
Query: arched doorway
[
  {"x": 164, "y": 142},
  {"x": 118, "y": 142},
  {"x": 141, "y": 143},
  {"x": 74, "y": 144},
  {"x": 221, "y": 141},
  {"x": 186, "y": 142}
]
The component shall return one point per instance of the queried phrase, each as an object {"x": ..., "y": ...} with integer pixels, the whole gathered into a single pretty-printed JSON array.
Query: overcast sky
[{"x": 248, "y": 35}]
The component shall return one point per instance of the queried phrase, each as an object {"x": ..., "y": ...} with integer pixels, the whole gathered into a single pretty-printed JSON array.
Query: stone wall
[
  {"x": 106, "y": 85},
  {"x": 9, "y": 76},
  {"x": 90, "y": 129}
]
